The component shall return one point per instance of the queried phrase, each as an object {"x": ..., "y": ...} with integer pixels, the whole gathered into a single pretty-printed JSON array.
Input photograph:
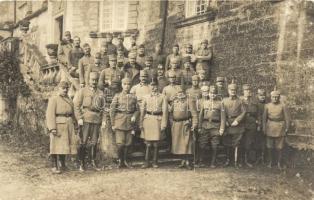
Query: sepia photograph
[{"x": 157, "y": 99}]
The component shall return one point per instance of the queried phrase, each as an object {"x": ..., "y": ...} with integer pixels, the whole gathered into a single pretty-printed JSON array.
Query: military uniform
[
  {"x": 220, "y": 83},
  {"x": 203, "y": 57},
  {"x": 83, "y": 64},
  {"x": 158, "y": 59},
  {"x": 95, "y": 67},
  {"x": 104, "y": 59},
  {"x": 111, "y": 48},
  {"x": 63, "y": 51},
  {"x": 140, "y": 90},
  {"x": 170, "y": 57},
  {"x": 75, "y": 54},
  {"x": 190, "y": 54},
  {"x": 187, "y": 73}
]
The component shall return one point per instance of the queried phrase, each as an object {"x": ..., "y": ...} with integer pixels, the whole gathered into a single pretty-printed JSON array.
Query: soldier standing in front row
[
  {"x": 275, "y": 125},
  {"x": 212, "y": 121},
  {"x": 60, "y": 124},
  {"x": 153, "y": 121},
  {"x": 184, "y": 121},
  {"x": 235, "y": 113},
  {"x": 88, "y": 112},
  {"x": 123, "y": 114}
]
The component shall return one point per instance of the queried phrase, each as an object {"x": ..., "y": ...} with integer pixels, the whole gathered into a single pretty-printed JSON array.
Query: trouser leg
[
  {"x": 269, "y": 157},
  {"x": 125, "y": 157},
  {"x": 155, "y": 155},
  {"x": 55, "y": 169},
  {"x": 147, "y": 154}
]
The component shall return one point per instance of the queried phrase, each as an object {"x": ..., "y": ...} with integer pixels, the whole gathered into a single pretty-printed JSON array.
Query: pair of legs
[
  {"x": 124, "y": 141},
  {"x": 260, "y": 148},
  {"x": 56, "y": 168},
  {"x": 231, "y": 142},
  {"x": 185, "y": 161},
  {"x": 149, "y": 146},
  {"x": 277, "y": 144},
  {"x": 208, "y": 136},
  {"x": 89, "y": 131},
  {"x": 246, "y": 144}
]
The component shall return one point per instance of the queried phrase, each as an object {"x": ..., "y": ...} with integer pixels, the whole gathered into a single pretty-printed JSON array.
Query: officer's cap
[
  {"x": 220, "y": 79},
  {"x": 149, "y": 58},
  {"x": 188, "y": 45},
  {"x": 205, "y": 41},
  {"x": 94, "y": 75},
  {"x": 126, "y": 80},
  {"x": 204, "y": 88},
  {"x": 172, "y": 74},
  {"x": 261, "y": 91},
  {"x": 143, "y": 73},
  {"x": 175, "y": 60},
  {"x": 176, "y": 45},
  {"x": 195, "y": 78},
  {"x": 246, "y": 87},
  {"x": 113, "y": 57},
  {"x": 67, "y": 33},
  {"x": 213, "y": 89},
  {"x": 186, "y": 59},
  {"x": 160, "y": 66},
  {"x": 275, "y": 93},
  {"x": 141, "y": 46},
  {"x": 64, "y": 84},
  {"x": 85, "y": 45}
]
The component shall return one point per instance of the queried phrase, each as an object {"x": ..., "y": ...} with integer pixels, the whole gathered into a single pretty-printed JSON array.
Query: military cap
[
  {"x": 154, "y": 81},
  {"x": 232, "y": 86},
  {"x": 275, "y": 93},
  {"x": 113, "y": 57},
  {"x": 195, "y": 78},
  {"x": 141, "y": 46},
  {"x": 160, "y": 66},
  {"x": 97, "y": 55},
  {"x": 143, "y": 73},
  {"x": 85, "y": 45},
  {"x": 67, "y": 33},
  {"x": 205, "y": 41},
  {"x": 176, "y": 45},
  {"x": 126, "y": 80},
  {"x": 149, "y": 58},
  {"x": 188, "y": 45},
  {"x": 120, "y": 37},
  {"x": 186, "y": 59},
  {"x": 261, "y": 91},
  {"x": 220, "y": 79},
  {"x": 213, "y": 89},
  {"x": 132, "y": 54},
  {"x": 204, "y": 88},
  {"x": 94, "y": 75},
  {"x": 174, "y": 60},
  {"x": 171, "y": 74},
  {"x": 246, "y": 87},
  {"x": 64, "y": 84}
]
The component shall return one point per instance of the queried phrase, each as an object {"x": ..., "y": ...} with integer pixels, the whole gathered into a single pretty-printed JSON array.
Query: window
[
  {"x": 196, "y": 7},
  {"x": 113, "y": 15}
]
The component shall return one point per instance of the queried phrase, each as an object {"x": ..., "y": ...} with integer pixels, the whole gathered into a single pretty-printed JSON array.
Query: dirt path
[{"x": 27, "y": 176}]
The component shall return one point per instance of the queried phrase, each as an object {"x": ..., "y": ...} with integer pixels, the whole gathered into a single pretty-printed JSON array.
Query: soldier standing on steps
[
  {"x": 64, "y": 48},
  {"x": 84, "y": 62},
  {"x": 153, "y": 121},
  {"x": 60, "y": 124},
  {"x": 88, "y": 106},
  {"x": 123, "y": 114},
  {"x": 235, "y": 113},
  {"x": 275, "y": 126}
]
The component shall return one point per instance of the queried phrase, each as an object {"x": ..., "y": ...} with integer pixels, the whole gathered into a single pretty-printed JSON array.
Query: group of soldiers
[{"x": 129, "y": 94}]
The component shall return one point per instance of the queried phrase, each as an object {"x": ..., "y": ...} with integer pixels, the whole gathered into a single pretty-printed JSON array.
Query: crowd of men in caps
[{"x": 129, "y": 94}]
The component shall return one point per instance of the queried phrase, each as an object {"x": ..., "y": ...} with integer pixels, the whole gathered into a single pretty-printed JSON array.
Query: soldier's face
[
  {"x": 126, "y": 86},
  {"x": 120, "y": 41},
  {"x": 204, "y": 45},
  {"x": 143, "y": 79},
  {"x": 195, "y": 82},
  {"x": 63, "y": 90},
  {"x": 109, "y": 38},
  {"x": 232, "y": 92},
  {"x": 160, "y": 72},
  {"x": 120, "y": 53},
  {"x": 247, "y": 93},
  {"x": 205, "y": 93},
  {"x": 93, "y": 80},
  {"x": 261, "y": 97},
  {"x": 202, "y": 76},
  {"x": 219, "y": 84},
  {"x": 132, "y": 60},
  {"x": 133, "y": 41},
  {"x": 172, "y": 79},
  {"x": 104, "y": 49},
  {"x": 67, "y": 37},
  {"x": 187, "y": 65},
  {"x": 175, "y": 50},
  {"x": 188, "y": 50},
  {"x": 275, "y": 99},
  {"x": 112, "y": 63},
  {"x": 87, "y": 50},
  {"x": 97, "y": 61},
  {"x": 141, "y": 51},
  {"x": 148, "y": 63},
  {"x": 154, "y": 88},
  {"x": 77, "y": 42}
]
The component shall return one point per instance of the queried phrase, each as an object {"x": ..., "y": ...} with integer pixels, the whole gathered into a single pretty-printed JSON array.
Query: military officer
[
  {"x": 189, "y": 52},
  {"x": 104, "y": 54},
  {"x": 158, "y": 57},
  {"x": 260, "y": 137},
  {"x": 170, "y": 90},
  {"x": 184, "y": 120},
  {"x": 148, "y": 67},
  {"x": 235, "y": 113},
  {"x": 187, "y": 71},
  {"x": 203, "y": 80},
  {"x": 123, "y": 114},
  {"x": 141, "y": 56},
  {"x": 162, "y": 80},
  {"x": 175, "y": 68},
  {"x": 250, "y": 124},
  {"x": 111, "y": 48},
  {"x": 61, "y": 123},
  {"x": 132, "y": 43},
  {"x": 64, "y": 48},
  {"x": 113, "y": 73},
  {"x": 276, "y": 124},
  {"x": 95, "y": 67},
  {"x": 221, "y": 83},
  {"x": 141, "y": 89},
  {"x": 84, "y": 62},
  {"x": 203, "y": 57},
  {"x": 175, "y": 54},
  {"x": 75, "y": 54},
  {"x": 88, "y": 107},
  {"x": 153, "y": 121},
  {"x": 120, "y": 45},
  {"x": 132, "y": 69},
  {"x": 194, "y": 92},
  {"x": 212, "y": 120},
  {"x": 121, "y": 59}
]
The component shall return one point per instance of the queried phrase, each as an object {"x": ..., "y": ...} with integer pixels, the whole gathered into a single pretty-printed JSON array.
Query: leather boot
[
  {"x": 187, "y": 163},
  {"x": 213, "y": 160},
  {"x": 155, "y": 159},
  {"x": 62, "y": 162},
  {"x": 120, "y": 157},
  {"x": 125, "y": 158},
  {"x": 246, "y": 159},
  {"x": 55, "y": 169},
  {"x": 147, "y": 153},
  {"x": 279, "y": 154},
  {"x": 82, "y": 159},
  {"x": 229, "y": 156},
  {"x": 93, "y": 158},
  {"x": 269, "y": 155}
]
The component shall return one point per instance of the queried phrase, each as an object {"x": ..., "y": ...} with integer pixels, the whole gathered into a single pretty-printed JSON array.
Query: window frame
[{"x": 192, "y": 5}]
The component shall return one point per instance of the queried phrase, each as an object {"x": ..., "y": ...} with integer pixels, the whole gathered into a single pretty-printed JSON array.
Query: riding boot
[
  {"x": 82, "y": 159},
  {"x": 269, "y": 157},
  {"x": 93, "y": 158},
  {"x": 62, "y": 162},
  {"x": 246, "y": 159},
  {"x": 155, "y": 158},
  {"x": 187, "y": 162},
  {"x": 120, "y": 157},
  {"x": 279, "y": 157},
  {"x": 147, "y": 155},
  {"x": 125, "y": 157},
  {"x": 213, "y": 160},
  {"x": 229, "y": 156},
  {"x": 55, "y": 169},
  {"x": 201, "y": 158}
]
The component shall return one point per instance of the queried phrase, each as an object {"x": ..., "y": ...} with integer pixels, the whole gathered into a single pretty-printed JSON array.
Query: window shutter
[{"x": 133, "y": 14}]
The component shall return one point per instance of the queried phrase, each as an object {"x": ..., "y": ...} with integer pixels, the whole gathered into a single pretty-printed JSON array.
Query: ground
[{"x": 25, "y": 174}]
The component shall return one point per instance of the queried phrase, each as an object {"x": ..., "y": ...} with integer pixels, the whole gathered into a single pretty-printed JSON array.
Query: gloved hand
[
  {"x": 80, "y": 122},
  {"x": 54, "y": 133},
  {"x": 221, "y": 132},
  {"x": 133, "y": 119},
  {"x": 104, "y": 123},
  {"x": 235, "y": 123}
]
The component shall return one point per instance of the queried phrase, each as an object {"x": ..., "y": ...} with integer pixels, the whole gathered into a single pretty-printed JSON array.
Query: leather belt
[
  {"x": 125, "y": 112},
  {"x": 153, "y": 113},
  {"x": 180, "y": 120},
  {"x": 276, "y": 120},
  {"x": 64, "y": 115}
]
